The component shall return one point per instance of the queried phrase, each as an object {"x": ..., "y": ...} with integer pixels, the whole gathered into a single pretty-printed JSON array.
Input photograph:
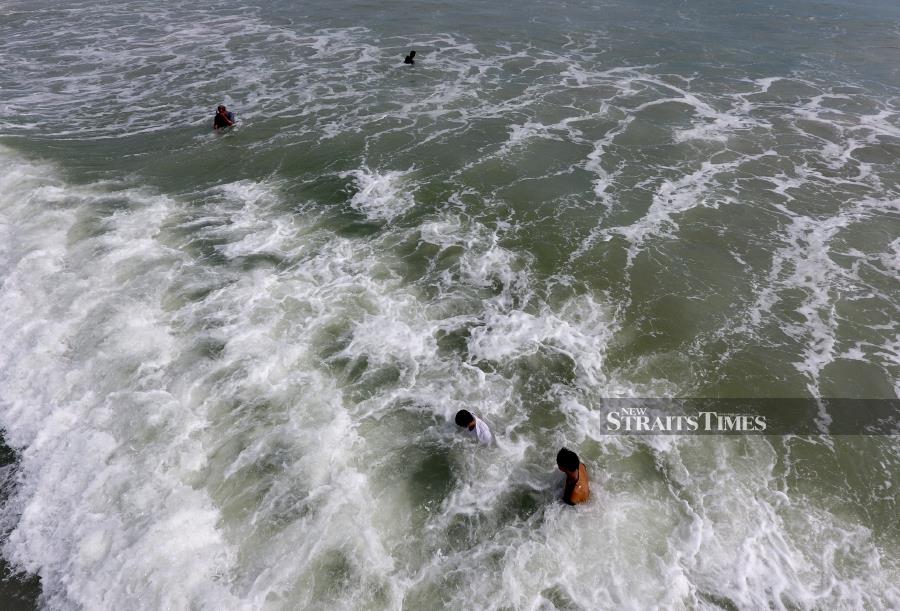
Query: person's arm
[{"x": 568, "y": 490}]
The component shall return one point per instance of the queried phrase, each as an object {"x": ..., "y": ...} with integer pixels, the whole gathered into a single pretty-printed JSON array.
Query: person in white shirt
[{"x": 475, "y": 425}]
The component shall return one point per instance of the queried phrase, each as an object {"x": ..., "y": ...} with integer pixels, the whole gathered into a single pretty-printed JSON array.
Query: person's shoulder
[
  {"x": 583, "y": 477},
  {"x": 483, "y": 431}
]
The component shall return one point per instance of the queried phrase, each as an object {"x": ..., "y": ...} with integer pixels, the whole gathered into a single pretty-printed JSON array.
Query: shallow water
[{"x": 231, "y": 361}]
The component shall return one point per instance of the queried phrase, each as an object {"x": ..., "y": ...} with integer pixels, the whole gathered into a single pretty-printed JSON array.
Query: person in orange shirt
[{"x": 578, "y": 488}]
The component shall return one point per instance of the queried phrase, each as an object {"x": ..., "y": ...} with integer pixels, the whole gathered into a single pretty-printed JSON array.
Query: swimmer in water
[
  {"x": 578, "y": 489},
  {"x": 474, "y": 425},
  {"x": 223, "y": 118},
  {"x": 409, "y": 59}
]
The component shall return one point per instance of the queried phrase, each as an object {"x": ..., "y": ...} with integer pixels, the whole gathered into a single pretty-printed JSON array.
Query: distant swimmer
[
  {"x": 578, "y": 488},
  {"x": 223, "y": 118},
  {"x": 474, "y": 425},
  {"x": 410, "y": 59}
]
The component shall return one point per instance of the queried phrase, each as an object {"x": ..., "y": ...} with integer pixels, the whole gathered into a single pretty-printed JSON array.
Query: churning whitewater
[{"x": 230, "y": 362}]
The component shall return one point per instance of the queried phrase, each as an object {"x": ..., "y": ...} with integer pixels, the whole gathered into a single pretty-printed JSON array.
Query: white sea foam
[
  {"x": 673, "y": 198},
  {"x": 80, "y": 508},
  {"x": 807, "y": 263},
  {"x": 382, "y": 196}
]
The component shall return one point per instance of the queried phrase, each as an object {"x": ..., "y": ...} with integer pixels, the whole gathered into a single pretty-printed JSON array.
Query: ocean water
[{"x": 230, "y": 362}]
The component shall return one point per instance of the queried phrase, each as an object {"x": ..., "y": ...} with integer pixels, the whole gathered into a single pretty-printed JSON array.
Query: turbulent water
[{"x": 230, "y": 362}]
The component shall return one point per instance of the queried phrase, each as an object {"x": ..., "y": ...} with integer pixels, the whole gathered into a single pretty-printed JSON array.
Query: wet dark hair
[
  {"x": 220, "y": 107},
  {"x": 412, "y": 53},
  {"x": 567, "y": 460},
  {"x": 463, "y": 418}
]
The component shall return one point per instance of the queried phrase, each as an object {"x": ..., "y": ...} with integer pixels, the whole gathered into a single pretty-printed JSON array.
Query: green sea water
[{"x": 230, "y": 361}]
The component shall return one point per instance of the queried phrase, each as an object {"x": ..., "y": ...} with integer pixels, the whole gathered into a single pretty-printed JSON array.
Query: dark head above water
[
  {"x": 567, "y": 460},
  {"x": 409, "y": 59},
  {"x": 464, "y": 418}
]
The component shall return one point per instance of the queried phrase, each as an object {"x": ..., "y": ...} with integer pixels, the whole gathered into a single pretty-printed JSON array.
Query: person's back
[
  {"x": 474, "y": 425},
  {"x": 410, "y": 59},
  {"x": 578, "y": 487}
]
